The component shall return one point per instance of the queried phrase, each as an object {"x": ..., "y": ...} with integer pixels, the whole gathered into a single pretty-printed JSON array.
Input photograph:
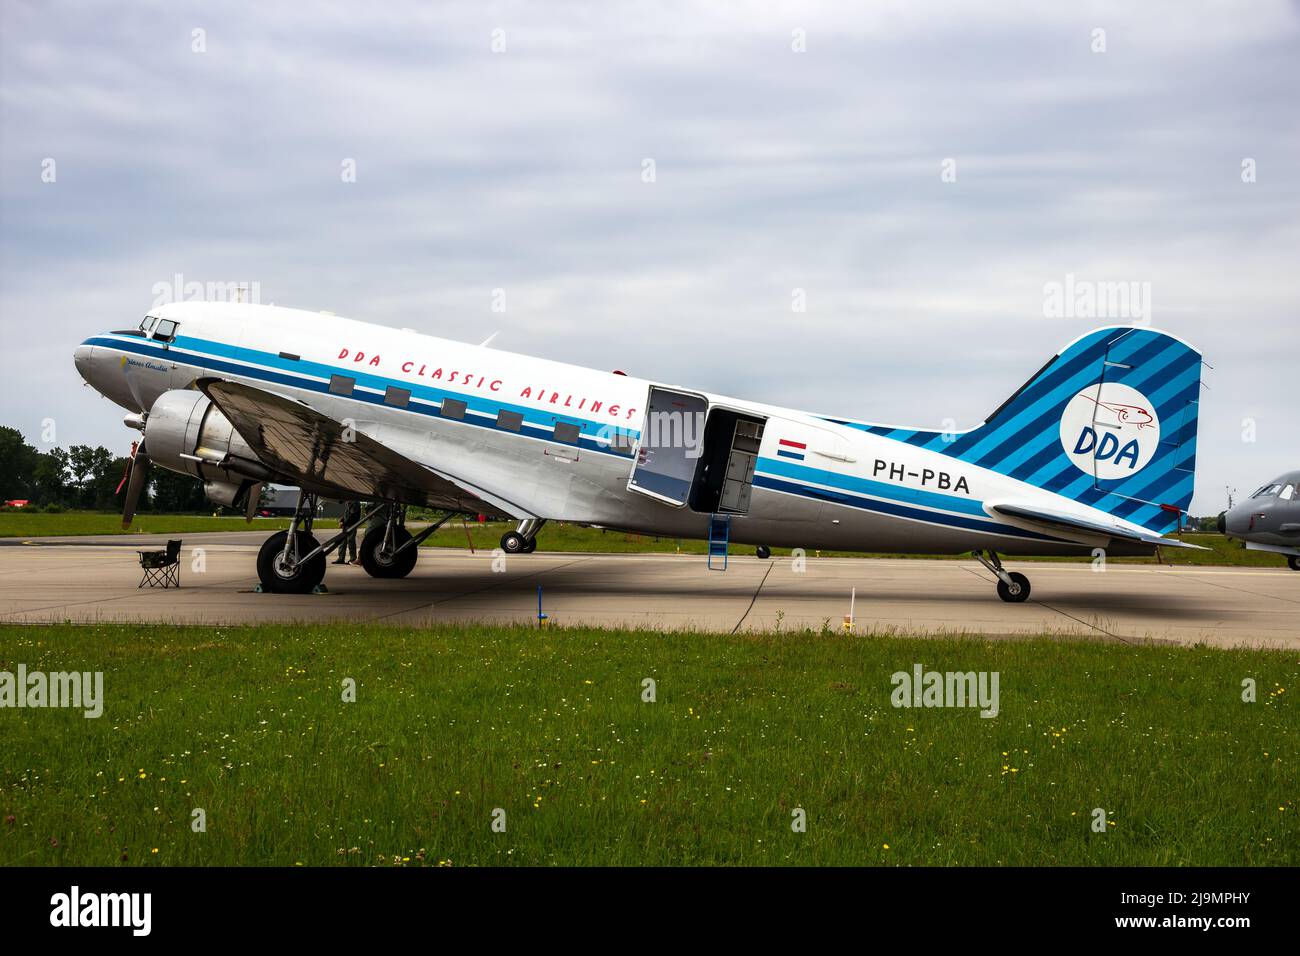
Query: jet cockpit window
[
  {"x": 147, "y": 322},
  {"x": 1288, "y": 492},
  {"x": 1268, "y": 491},
  {"x": 165, "y": 330}
]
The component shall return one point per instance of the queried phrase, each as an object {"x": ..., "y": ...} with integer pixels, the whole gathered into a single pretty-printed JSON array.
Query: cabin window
[
  {"x": 511, "y": 421},
  {"x": 567, "y": 432},
  {"x": 165, "y": 330},
  {"x": 397, "y": 397},
  {"x": 453, "y": 408},
  {"x": 341, "y": 384}
]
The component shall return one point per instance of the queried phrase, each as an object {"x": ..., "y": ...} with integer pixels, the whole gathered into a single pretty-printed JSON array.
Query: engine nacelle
[{"x": 185, "y": 432}]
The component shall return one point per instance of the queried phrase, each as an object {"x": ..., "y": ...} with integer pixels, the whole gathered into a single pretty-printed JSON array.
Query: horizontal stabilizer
[{"x": 1042, "y": 519}]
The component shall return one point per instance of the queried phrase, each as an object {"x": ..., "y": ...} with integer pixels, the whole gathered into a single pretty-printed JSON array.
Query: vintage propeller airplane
[{"x": 1096, "y": 450}]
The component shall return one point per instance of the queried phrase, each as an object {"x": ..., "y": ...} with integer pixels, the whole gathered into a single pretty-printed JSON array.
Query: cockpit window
[
  {"x": 165, "y": 330},
  {"x": 147, "y": 322},
  {"x": 1288, "y": 492},
  {"x": 1268, "y": 491}
]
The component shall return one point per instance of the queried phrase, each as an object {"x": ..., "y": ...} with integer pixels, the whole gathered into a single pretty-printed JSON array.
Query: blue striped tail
[{"x": 1109, "y": 422}]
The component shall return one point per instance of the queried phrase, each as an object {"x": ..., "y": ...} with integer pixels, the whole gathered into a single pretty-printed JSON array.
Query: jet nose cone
[
  {"x": 82, "y": 359},
  {"x": 1236, "y": 522}
]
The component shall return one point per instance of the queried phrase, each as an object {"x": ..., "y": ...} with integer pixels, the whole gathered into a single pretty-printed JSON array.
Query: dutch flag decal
[{"x": 791, "y": 449}]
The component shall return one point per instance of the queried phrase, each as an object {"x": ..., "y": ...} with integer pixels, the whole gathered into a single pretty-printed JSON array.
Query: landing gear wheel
[
  {"x": 277, "y": 577},
  {"x": 1017, "y": 591},
  {"x": 763, "y": 551},
  {"x": 392, "y": 566},
  {"x": 531, "y": 546},
  {"x": 1294, "y": 562},
  {"x": 512, "y": 542}
]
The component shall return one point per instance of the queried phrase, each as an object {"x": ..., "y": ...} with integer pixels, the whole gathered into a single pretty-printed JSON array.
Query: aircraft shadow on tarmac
[{"x": 452, "y": 585}]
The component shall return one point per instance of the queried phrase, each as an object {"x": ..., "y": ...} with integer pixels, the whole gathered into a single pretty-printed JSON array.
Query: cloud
[{"x": 775, "y": 171}]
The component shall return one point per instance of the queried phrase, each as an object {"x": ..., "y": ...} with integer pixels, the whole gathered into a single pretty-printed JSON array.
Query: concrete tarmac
[{"x": 95, "y": 579}]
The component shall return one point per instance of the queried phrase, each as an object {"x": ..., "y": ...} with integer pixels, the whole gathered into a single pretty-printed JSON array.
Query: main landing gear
[
  {"x": 293, "y": 561},
  {"x": 1012, "y": 585},
  {"x": 524, "y": 539}
]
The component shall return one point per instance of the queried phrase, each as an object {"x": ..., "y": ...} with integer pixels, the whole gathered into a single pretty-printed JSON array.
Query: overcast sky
[{"x": 797, "y": 146}]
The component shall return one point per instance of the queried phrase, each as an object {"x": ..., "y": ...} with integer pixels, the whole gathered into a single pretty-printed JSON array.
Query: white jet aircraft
[{"x": 1095, "y": 451}]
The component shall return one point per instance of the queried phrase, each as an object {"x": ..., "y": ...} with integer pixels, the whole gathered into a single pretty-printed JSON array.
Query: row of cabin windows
[{"x": 454, "y": 408}]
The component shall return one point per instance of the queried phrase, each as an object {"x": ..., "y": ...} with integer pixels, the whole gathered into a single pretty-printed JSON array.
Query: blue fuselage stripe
[
  {"x": 424, "y": 400},
  {"x": 895, "y": 509}
]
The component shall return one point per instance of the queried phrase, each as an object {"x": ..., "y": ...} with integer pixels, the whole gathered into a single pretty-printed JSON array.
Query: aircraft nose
[
  {"x": 1236, "y": 522},
  {"x": 82, "y": 358}
]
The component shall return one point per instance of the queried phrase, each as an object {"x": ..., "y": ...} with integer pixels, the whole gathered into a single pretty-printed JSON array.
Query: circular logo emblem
[{"x": 1110, "y": 431}]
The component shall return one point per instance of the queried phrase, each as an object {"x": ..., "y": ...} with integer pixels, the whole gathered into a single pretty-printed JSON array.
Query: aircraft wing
[
  {"x": 319, "y": 453},
  {"x": 1058, "y": 522}
]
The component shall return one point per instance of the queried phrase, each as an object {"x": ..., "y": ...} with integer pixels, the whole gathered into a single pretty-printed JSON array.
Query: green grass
[
  {"x": 553, "y": 537},
  {"x": 30, "y": 524},
  {"x": 451, "y": 723}
]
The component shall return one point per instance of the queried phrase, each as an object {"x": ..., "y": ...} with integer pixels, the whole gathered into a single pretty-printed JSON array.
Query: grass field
[
  {"x": 550, "y": 726},
  {"x": 27, "y": 524},
  {"x": 553, "y": 537}
]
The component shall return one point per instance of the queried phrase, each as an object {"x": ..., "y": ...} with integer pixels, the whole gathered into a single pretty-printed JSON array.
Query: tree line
[{"x": 82, "y": 477}]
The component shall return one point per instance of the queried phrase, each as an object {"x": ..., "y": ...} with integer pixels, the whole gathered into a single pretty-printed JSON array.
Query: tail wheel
[
  {"x": 278, "y": 576},
  {"x": 397, "y": 565},
  {"x": 1294, "y": 561},
  {"x": 1015, "y": 592}
]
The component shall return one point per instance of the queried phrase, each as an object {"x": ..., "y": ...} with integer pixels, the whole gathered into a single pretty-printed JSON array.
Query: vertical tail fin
[{"x": 1109, "y": 422}]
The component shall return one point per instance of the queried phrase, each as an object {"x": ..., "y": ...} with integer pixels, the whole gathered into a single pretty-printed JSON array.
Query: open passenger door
[{"x": 691, "y": 454}]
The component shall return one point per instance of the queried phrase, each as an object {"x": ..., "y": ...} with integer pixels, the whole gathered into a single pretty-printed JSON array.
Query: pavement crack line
[{"x": 754, "y": 599}]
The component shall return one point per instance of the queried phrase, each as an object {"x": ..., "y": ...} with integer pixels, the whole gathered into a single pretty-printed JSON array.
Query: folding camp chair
[{"x": 161, "y": 568}]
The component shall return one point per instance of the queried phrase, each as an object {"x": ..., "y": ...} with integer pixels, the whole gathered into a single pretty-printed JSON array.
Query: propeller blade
[
  {"x": 126, "y": 472},
  {"x": 134, "y": 485}
]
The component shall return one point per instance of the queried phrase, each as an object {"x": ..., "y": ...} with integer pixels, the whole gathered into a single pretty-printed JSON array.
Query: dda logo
[{"x": 1110, "y": 430}]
